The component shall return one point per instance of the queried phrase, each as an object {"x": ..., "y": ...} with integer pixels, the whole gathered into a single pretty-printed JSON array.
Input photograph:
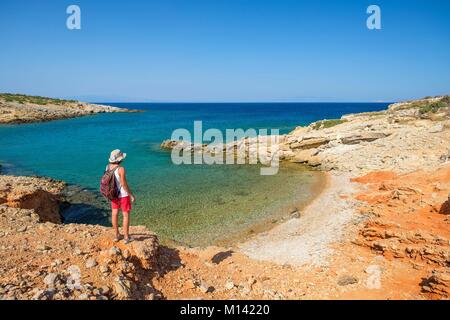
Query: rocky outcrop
[
  {"x": 406, "y": 137},
  {"x": 403, "y": 138},
  {"x": 169, "y": 144},
  {"x": 309, "y": 142},
  {"x": 25, "y": 112},
  {"x": 363, "y": 137},
  {"x": 42, "y": 195},
  {"x": 406, "y": 222},
  {"x": 40, "y": 258},
  {"x": 438, "y": 283}
]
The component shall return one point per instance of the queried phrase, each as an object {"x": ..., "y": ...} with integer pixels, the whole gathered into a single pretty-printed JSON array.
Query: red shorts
[{"x": 122, "y": 203}]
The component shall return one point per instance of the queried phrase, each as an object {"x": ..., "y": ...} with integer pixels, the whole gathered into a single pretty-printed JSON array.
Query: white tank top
[{"x": 122, "y": 192}]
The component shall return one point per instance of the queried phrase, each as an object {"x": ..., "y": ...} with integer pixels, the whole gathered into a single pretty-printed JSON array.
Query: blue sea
[{"x": 194, "y": 205}]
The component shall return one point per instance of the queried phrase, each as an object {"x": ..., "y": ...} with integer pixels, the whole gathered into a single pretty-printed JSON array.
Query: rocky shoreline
[
  {"x": 380, "y": 230},
  {"x": 26, "y": 110},
  {"x": 407, "y": 136}
]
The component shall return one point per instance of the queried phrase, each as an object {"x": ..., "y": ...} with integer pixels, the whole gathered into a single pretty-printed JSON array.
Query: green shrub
[
  {"x": 446, "y": 99},
  {"x": 372, "y": 113},
  {"x": 432, "y": 107},
  {"x": 327, "y": 123},
  {"x": 21, "y": 98}
]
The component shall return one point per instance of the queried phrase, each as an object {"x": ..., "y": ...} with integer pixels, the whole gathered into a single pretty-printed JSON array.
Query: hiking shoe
[{"x": 127, "y": 241}]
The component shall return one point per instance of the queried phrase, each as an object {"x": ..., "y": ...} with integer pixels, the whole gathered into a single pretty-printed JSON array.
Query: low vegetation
[
  {"x": 432, "y": 107},
  {"x": 446, "y": 99},
  {"x": 372, "y": 113},
  {"x": 327, "y": 123},
  {"x": 22, "y": 99},
  {"x": 428, "y": 106}
]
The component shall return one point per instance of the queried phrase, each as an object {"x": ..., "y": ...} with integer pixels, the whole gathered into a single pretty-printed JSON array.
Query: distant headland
[{"x": 20, "y": 108}]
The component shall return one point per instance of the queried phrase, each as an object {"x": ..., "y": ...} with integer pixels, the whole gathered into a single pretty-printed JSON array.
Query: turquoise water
[{"x": 195, "y": 205}]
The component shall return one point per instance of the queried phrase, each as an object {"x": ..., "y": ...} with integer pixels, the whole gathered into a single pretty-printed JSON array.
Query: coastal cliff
[
  {"x": 408, "y": 136},
  {"x": 17, "y": 108}
]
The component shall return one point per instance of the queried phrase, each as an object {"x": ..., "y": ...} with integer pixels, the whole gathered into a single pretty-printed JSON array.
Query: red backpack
[{"x": 108, "y": 186}]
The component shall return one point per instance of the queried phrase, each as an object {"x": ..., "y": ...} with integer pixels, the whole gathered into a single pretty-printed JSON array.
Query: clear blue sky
[{"x": 225, "y": 50}]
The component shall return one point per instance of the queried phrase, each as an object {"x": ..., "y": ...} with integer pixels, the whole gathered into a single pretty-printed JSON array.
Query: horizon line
[{"x": 229, "y": 102}]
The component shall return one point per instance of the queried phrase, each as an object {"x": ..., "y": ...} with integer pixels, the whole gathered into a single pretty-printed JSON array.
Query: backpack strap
[{"x": 108, "y": 168}]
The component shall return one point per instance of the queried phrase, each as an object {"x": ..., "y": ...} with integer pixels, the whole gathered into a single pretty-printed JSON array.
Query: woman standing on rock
[{"x": 125, "y": 196}]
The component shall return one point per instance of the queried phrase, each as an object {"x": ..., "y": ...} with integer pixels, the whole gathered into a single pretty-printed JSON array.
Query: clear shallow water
[{"x": 195, "y": 205}]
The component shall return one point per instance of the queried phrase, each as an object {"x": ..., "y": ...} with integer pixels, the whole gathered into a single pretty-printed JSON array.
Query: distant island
[{"x": 21, "y": 108}]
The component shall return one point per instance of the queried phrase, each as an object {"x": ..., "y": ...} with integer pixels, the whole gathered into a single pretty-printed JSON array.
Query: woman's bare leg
[
  {"x": 126, "y": 224},
  {"x": 114, "y": 220}
]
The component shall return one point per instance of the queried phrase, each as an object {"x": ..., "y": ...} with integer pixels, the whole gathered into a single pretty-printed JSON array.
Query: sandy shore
[
  {"x": 307, "y": 239},
  {"x": 279, "y": 216}
]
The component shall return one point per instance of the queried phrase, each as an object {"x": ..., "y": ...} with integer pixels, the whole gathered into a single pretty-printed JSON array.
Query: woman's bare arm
[{"x": 124, "y": 183}]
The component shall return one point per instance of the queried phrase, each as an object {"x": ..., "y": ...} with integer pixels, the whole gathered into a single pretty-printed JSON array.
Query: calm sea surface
[{"x": 190, "y": 204}]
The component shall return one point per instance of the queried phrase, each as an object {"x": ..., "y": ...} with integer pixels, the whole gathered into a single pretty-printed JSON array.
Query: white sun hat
[{"x": 117, "y": 156}]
